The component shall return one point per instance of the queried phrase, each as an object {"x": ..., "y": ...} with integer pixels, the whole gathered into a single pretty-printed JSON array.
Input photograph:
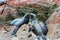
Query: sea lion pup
[
  {"x": 40, "y": 31},
  {"x": 19, "y": 22}
]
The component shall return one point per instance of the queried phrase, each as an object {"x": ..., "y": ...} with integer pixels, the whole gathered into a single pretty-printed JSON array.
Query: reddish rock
[
  {"x": 16, "y": 2},
  {"x": 55, "y": 17},
  {"x": 56, "y": 1},
  {"x": 2, "y": 29},
  {"x": 1, "y": 8},
  {"x": 36, "y": 1},
  {"x": 25, "y": 2},
  {"x": 8, "y": 10}
]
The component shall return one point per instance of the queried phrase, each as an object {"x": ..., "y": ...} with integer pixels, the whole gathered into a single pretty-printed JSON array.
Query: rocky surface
[
  {"x": 55, "y": 17},
  {"x": 22, "y": 34},
  {"x": 17, "y": 3},
  {"x": 53, "y": 23},
  {"x": 11, "y": 6}
]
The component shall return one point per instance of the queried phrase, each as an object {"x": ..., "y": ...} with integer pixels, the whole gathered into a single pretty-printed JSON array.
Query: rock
[
  {"x": 54, "y": 31},
  {"x": 1, "y": 8},
  {"x": 12, "y": 4},
  {"x": 17, "y": 3},
  {"x": 53, "y": 23},
  {"x": 55, "y": 17},
  {"x": 2, "y": 30},
  {"x": 23, "y": 35},
  {"x": 56, "y": 1},
  {"x": 8, "y": 10}
]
